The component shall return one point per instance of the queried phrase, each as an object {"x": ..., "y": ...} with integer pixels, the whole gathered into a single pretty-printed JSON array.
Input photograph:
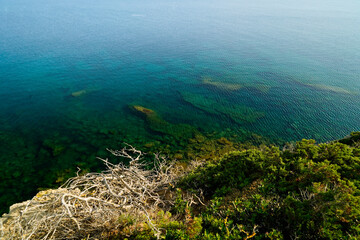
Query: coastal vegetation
[{"x": 303, "y": 191}]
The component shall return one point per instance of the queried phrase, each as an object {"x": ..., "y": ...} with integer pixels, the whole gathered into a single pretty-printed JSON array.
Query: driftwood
[{"x": 89, "y": 206}]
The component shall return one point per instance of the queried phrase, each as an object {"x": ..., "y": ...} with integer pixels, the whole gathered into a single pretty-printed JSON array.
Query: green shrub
[{"x": 307, "y": 192}]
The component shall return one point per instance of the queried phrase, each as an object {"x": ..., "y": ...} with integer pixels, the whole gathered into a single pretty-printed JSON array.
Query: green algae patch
[
  {"x": 207, "y": 81},
  {"x": 159, "y": 125},
  {"x": 239, "y": 113}
]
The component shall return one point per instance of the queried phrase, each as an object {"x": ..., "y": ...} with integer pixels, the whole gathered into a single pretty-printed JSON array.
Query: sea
[{"x": 78, "y": 77}]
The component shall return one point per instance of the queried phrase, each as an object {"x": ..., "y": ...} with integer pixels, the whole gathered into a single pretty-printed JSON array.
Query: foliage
[{"x": 306, "y": 191}]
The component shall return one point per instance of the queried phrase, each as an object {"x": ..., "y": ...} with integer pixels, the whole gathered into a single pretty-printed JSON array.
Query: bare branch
[{"x": 89, "y": 205}]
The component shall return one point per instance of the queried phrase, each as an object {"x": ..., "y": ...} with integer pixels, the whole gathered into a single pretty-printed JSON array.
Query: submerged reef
[
  {"x": 281, "y": 79},
  {"x": 83, "y": 92},
  {"x": 238, "y": 113},
  {"x": 329, "y": 88},
  {"x": 159, "y": 125},
  {"x": 207, "y": 81},
  {"x": 191, "y": 143},
  {"x": 79, "y": 93},
  {"x": 231, "y": 87}
]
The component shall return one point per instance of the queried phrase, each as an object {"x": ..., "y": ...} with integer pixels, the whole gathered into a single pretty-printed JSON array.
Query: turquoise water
[{"x": 71, "y": 70}]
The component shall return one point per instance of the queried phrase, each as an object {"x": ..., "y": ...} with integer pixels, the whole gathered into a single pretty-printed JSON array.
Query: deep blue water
[{"x": 284, "y": 70}]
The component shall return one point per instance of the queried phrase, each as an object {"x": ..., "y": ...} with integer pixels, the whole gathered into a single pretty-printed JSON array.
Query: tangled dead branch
[{"x": 91, "y": 204}]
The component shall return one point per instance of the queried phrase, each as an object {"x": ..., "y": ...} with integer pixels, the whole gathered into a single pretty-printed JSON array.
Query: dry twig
[{"x": 90, "y": 204}]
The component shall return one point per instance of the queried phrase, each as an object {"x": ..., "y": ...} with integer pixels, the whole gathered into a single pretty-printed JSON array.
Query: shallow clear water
[{"x": 69, "y": 70}]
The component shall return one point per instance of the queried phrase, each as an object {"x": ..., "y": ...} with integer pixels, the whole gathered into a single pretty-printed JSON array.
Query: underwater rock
[
  {"x": 328, "y": 88},
  {"x": 159, "y": 125},
  {"x": 281, "y": 78},
  {"x": 238, "y": 113},
  {"x": 79, "y": 93},
  {"x": 207, "y": 81},
  {"x": 145, "y": 111},
  {"x": 227, "y": 86}
]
